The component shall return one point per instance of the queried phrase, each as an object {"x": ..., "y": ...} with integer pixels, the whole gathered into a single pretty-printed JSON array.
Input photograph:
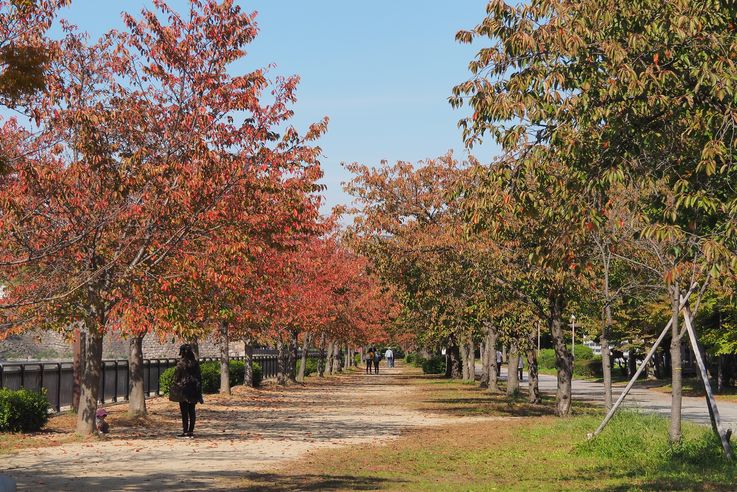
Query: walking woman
[
  {"x": 370, "y": 360},
  {"x": 186, "y": 388}
]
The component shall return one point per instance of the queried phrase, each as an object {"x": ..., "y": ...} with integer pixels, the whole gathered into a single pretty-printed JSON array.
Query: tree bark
[
  {"x": 281, "y": 363},
  {"x": 224, "y": 358},
  {"x": 453, "y": 368},
  {"x": 471, "y": 360},
  {"x": 512, "y": 379},
  {"x": 79, "y": 345},
  {"x": 674, "y": 432},
  {"x": 330, "y": 358},
  {"x": 533, "y": 385},
  {"x": 721, "y": 373},
  {"x": 493, "y": 370},
  {"x": 563, "y": 358},
  {"x": 303, "y": 358},
  {"x": 248, "y": 362},
  {"x": 485, "y": 364},
  {"x": 464, "y": 359},
  {"x": 195, "y": 344},
  {"x": 90, "y": 383},
  {"x": 292, "y": 357},
  {"x": 631, "y": 363},
  {"x": 337, "y": 359},
  {"x": 606, "y": 363},
  {"x": 137, "y": 395},
  {"x": 321, "y": 356}
]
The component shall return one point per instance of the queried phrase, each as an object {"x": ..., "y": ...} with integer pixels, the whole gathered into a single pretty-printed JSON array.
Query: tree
[
  {"x": 410, "y": 226},
  {"x": 640, "y": 93},
  {"x": 139, "y": 144}
]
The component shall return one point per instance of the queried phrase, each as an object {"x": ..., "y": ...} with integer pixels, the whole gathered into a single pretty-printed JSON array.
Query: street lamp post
[{"x": 573, "y": 336}]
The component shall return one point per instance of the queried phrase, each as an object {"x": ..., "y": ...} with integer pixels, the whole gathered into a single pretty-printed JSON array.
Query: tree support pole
[
  {"x": 642, "y": 367},
  {"x": 711, "y": 403}
]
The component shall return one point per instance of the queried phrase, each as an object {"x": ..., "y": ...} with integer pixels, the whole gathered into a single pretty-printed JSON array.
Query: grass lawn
[{"x": 524, "y": 449}]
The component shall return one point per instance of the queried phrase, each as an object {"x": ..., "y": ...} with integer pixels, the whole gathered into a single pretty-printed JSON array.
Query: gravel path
[{"x": 253, "y": 430}]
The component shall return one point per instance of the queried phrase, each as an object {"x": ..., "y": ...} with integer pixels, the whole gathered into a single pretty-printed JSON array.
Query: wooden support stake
[
  {"x": 710, "y": 401},
  {"x": 642, "y": 367}
]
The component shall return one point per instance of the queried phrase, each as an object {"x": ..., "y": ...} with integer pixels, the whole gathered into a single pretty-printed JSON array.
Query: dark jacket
[{"x": 187, "y": 383}]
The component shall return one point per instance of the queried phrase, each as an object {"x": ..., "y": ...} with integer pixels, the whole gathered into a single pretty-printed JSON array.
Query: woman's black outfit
[{"x": 186, "y": 388}]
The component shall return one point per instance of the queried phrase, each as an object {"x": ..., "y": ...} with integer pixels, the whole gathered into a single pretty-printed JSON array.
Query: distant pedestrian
[
  {"x": 389, "y": 357},
  {"x": 377, "y": 358},
  {"x": 370, "y": 360},
  {"x": 186, "y": 388},
  {"x": 520, "y": 368},
  {"x": 499, "y": 363}
]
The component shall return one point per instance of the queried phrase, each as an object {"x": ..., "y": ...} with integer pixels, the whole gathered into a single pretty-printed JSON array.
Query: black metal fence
[{"x": 58, "y": 377}]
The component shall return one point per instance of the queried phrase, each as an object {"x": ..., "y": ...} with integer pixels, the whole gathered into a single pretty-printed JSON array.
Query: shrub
[
  {"x": 237, "y": 372},
  {"x": 588, "y": 368},
  {"x": 258, "y": 374},
  {"x": 211, "y": 376},
  {"x": 434, "y": 365},
  {"x": 165, "y": 380},
  {"x": 310, "y": 366},
  {"x": 546, "y": 359},
  {"x": 409, "y": 358},
  {"x": 23, "y": 410}
]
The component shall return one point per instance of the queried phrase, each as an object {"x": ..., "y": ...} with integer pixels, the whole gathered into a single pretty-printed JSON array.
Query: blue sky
[{"x": 381, "y": 70}]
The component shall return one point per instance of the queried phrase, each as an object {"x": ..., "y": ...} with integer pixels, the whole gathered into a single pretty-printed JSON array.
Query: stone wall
[{"x": 49, "y": 345}]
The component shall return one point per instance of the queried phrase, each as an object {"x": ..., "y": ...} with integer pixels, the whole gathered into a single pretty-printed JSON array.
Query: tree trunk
[
  {"x": 606, "y": 363},
  {"x": 224, "y": 358},
  {"x": 90, "y": 384},
  {"x": 248, "y": 363},
  {"x": 512, "y": 379},
  {"x": 485, "y": 362},
  {"x": 533, "y": 384},
  {"x": 281, "y": 363},
  {"x": 453, "y": 368},
  {"x": 674, "y": 432},
  {"x": 321, "y": 356},
  {"x": 330, "y": 357},
  {"x": 471, "y": 360},
  {"x": 631, "y": 363},
  {"x": 464, "y": 359},
  {"x": 563, "y": 358},
  {"x": 493, "y": 369},
  {"x": 79, "y": 345},
  {"x": 337, "y": 358},
  {"x": 292, "y": 360},
  {"x": 658, "y": 359},
  {"x": 137, "y": 398},
  {"x": 348, "y": 359},
  {"x": 721, "y": 373},
  {"x": 303, "y": 358},
  {"x": 195, "y": 344}
]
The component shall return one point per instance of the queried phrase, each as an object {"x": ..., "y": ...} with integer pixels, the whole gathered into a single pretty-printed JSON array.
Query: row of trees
[
  {"x": 613, "y": 197},
  {"x": 147, "y": 187}
]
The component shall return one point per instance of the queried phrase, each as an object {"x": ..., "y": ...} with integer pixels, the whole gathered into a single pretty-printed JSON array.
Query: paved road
[{"x": 694, "y": 409}]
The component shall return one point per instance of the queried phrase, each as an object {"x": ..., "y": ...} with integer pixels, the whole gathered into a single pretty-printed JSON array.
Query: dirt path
[{"x": 249, "y": 431}]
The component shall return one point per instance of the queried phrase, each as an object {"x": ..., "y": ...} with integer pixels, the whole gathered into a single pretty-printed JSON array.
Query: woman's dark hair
[{"x": 186, "y": 352}]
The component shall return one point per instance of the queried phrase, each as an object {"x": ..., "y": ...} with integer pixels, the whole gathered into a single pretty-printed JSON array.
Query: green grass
[{"x": 525, "y": 448}]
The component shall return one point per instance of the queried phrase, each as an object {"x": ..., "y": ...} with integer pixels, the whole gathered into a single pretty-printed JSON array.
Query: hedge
[
  {"x": 546, "y": 359},
  {"x": 23, "y": 410},
  {"x": 310, "y": 366},
  {"x": 211, "y": 376},
  {"x": 433, "y": 365}
]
